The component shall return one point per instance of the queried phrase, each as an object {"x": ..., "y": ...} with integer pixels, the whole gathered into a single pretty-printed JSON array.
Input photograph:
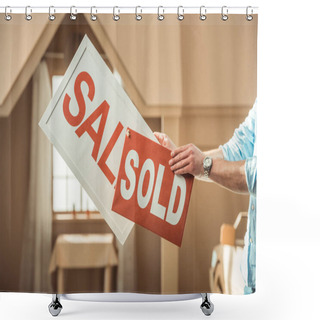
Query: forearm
[{"x": 229, "y": 174}]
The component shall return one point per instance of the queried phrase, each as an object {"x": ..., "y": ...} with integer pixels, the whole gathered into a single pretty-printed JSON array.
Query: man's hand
[
  {"x": 164, "y": 140},
  {"x": 187, "y": 159}
]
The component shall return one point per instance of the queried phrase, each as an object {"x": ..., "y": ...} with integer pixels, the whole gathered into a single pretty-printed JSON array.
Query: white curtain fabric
[{"x": 36, "y": 247}]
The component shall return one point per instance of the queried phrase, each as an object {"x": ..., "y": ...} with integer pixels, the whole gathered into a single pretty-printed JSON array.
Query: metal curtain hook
[
  {"x": 249, "y": 17},
  {"x": 6, "y": 15},
  {"x": 28, "y": 15},
  {"x": 224, "y": 13},
  {"x": 73, "y": 15},
  {"x": 51, "y": 16},
  {"x": 138, "y": 16},
  {"x": 203, "y": 15},
  {"x": 116, "y": 17},
  {"x": 160, "y": 16},
  {"x": 93, "y": 16},
  {"x": 180, "y": 15}
]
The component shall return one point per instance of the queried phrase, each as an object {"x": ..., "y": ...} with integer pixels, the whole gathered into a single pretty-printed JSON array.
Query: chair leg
[
  {"x": 55, "y": 306},
  {"x": 206, "y": 305}
]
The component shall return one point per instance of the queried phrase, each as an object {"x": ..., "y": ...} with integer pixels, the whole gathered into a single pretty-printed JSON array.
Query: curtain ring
[
  {"x": 73, "y": 16},
  {"x": 138, "y": 16},
  {"x": 180, "y": 15},
  {"x": 51, "y": 16},
  {"x": 116, "y": 17},
  {"x": 224, "y": 13},
  {"x": 6, "y": 15},
  {"x": 160, "y": 16},
  {"x": 93, "y": 16},
  {"x": 28, "y": 16},
  {"x": 203, "y": 15},
  {"x": 249, "y": 17}
]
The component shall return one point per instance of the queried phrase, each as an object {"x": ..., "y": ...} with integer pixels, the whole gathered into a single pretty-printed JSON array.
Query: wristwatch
[{"x": 207, "y": 165}]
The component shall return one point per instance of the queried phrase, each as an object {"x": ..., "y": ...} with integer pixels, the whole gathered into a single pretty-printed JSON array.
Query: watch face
[{"x": 207, "y": 162}]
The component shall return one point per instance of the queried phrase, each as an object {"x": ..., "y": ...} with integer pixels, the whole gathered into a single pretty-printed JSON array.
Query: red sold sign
[{"x": 148, "y": 192}]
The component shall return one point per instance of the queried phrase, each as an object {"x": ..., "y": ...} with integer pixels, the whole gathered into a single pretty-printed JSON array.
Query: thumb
[{"x": 158, "y": 136}]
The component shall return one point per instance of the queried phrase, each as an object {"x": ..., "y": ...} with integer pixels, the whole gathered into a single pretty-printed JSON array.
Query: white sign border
[{"x": 85, "y": 44}]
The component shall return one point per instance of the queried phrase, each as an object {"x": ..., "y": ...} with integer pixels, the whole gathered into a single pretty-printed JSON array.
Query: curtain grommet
[
  {"x": 249, "y": 17},
  {"x": 116, "y": 17},
  {"x": 51, "y": 17},
  {"x": 6, "y": 14},
  {"x": 138, "y": 16},
  {"x": 93, "y": 16},
  {"x": 179, "y": 14},
  {"x": 28, "y": 12},
  {"x": 160, "y": 16},
  {"x": 203, "y": 13},
  {"x": 73, "y": 15},
  {"x": 224, "y": 13}
]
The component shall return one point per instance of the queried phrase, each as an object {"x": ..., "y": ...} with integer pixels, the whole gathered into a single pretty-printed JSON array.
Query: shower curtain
[{"x": 92, "y": 109}]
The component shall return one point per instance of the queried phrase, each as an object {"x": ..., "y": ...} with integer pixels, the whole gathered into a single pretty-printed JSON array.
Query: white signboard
[{"x": 86, "y": 121}]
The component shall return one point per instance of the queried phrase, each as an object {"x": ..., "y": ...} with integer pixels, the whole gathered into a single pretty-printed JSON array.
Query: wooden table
[{"x": 72, "y": 251}]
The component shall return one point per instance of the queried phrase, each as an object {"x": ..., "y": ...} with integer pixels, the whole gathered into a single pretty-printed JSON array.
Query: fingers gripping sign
[
  {"x": 165, "y": 141},
  {"x": 187, "y": 159}
]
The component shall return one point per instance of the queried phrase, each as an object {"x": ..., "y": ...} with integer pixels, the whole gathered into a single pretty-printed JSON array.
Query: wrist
[{"x": 207, "y": 166}]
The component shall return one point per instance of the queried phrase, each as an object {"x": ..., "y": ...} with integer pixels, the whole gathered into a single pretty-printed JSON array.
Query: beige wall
[
  {"x": 210, "y": 205},
  {"x": 14, "y": 174},
  {"x": 186, "y": 269},
  {"x": 180, "y": 64},
  {"x": 22, "y": 47},
  {"x": 16, "y": 53}
]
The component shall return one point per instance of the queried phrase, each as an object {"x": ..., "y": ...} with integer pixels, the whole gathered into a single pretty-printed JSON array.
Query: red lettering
[
  {"x": 102, "y": 161},
  {"x": 76, "y": 120},
  {"x": 86, "y": 126}
]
